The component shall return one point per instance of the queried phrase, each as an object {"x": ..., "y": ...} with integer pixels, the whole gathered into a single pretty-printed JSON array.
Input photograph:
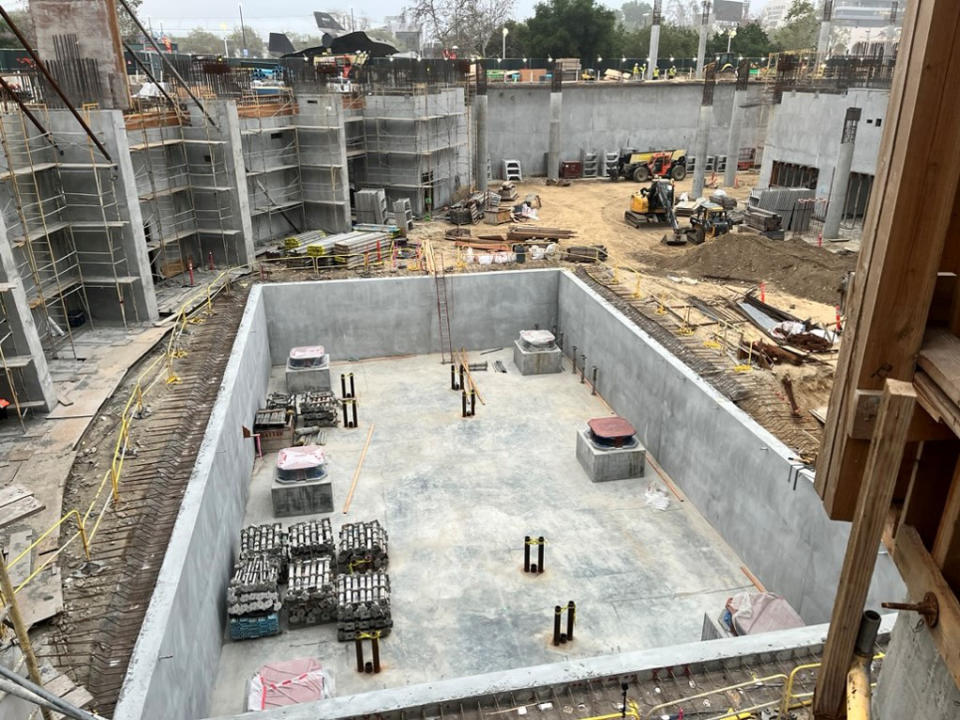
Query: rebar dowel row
[{"x": 368, "y": 667}]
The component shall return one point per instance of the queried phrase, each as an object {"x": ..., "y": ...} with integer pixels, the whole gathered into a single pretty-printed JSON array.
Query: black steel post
[
  {"x": 375, "y": 645},
  {"x": 556, "y": 624},
  {"x": 354, "y": 413},
  {"x": 353, "y": 389},
  {"x": 453, "y": 377},
  {"x": 461, "y": 375},
  {"x": 526, "y": 553},
  {"x": 473, "y": 402},
  {"x": 540, "y": 544},
  {"x": 359, "y": 645},
  {"x": 593, "y": 390},
  {"x": 571, "y": 615},
  {"x": 346, "y": 420},
  {"x": 583, "y": 368},
  {"x": 343, "y": 385},
  {"x": 574, "y": 358},
  {"x": 368, "y": 668},
  {"x": 463, "y": 403}
]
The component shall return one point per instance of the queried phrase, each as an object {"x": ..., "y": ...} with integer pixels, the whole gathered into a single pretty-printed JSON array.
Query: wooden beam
[
  {"x": 921, "y": 575},
  {"x": 864, "y": 419},
  {"x": 946, "y": 545},
  {"x": 880, "y": 477},
  {"x": 907, "y": 222}
]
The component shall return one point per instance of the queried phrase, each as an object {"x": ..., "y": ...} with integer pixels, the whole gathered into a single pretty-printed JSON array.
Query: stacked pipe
[
  {"x": 363, "y": 546},
  {"x": 311, "y": 596},
  {"x": 317, "y": 409},
  {"x": 268, "y": 540},
  {"x": 311, "y": 539},
  {"x": 363, "y": 605}
]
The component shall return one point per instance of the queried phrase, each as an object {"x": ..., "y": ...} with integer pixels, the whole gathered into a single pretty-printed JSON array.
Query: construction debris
[
  {"x": 311, "y": 596},
  {"x": 499, "y": 366},
  {"x": 363, "y": 546},
  {"x": 508, "y": 192},
  {"x": 363, "y": 605},
  {"x": 469, "y": 211},
  {"x": 522, "y": 233},
  {"x": 584, "y": 253}
]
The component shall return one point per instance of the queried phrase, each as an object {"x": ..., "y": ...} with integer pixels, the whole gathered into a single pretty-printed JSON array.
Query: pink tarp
[{"x": 287, "y": 683}]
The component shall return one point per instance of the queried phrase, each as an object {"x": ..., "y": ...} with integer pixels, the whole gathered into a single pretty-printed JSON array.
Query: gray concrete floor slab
[{"x": 457, "y": 497}]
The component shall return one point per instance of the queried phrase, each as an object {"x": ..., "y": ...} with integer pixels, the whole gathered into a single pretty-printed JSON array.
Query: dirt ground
[{"x": 797, "y": 275}]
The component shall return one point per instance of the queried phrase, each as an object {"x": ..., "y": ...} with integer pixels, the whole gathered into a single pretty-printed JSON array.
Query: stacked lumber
[
  {"x": 521, "y": 233},
  {"x": 358, "y": 248}
]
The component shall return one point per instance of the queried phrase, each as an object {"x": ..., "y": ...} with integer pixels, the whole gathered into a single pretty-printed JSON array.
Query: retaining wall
[
  {"x": 608, "y": 116},
  {"x": 740, "y": 477},
  {"x": 174, "y": 661}
]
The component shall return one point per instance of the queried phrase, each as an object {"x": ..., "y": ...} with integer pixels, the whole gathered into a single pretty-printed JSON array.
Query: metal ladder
[{"x": 446, "y": 345}]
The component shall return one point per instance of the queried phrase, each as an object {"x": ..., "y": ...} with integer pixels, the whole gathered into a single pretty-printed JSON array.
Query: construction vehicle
[
  {"x": 709, "y": 220},
  {"x": 652, "y": 204},
  {"x": 641, "y": 166}
]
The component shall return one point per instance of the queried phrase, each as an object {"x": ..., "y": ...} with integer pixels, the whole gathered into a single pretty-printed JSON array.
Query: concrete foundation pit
[{"x": 644, "y": 560}]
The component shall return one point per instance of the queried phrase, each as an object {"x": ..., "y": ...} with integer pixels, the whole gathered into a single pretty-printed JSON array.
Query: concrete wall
[
  {"x": 398, "y": 316},
  {"x": 172, "y": 667},
  {"x": 805, "y": 129},
  {"x": 601, "y": 116},
  {"x": 740, "y": 477},
  {"x": 914, "y": 681}
]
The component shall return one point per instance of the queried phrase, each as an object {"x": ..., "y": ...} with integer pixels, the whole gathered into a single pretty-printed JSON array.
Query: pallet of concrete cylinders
[
  {"x": 362, "y": 547},
  {"x": 308, "y": 369},
  {"x": 311, "y": 596}
]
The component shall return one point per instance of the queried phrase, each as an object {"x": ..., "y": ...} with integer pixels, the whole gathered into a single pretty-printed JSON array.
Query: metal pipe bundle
[
  {"x": 363, "y": 605},
  {"x": 363, "y": 546},
  {"x": 317, "y": 409},
  {"x": 311, "y": 596},
  {"x": 311, "y": 539}
]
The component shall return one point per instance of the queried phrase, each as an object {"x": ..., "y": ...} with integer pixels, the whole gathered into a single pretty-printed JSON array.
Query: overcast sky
[{"x": 179, "y": 16}]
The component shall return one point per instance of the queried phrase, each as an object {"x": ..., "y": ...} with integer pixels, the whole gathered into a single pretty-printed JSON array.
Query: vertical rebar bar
[
  {"x": 375, "y": 646},
  {"x": 556, "y": 624},
  {"x": 354, "y": 413},
  {"x": 571, "y": 614},
  {"x": 526, "y": 553},
  {"x": 343, "y": 385},
  {"x": 359, "y": 646},
  {"x": 540, "y": 544}
]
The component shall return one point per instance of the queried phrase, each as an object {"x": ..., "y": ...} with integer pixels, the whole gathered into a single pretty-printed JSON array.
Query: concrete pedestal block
[
  {"x": 612, "y": 463},
  {"x": 536, "y": 362},
  {"x": 302, "y": 498},
  {"x": 309, "y": 379}
]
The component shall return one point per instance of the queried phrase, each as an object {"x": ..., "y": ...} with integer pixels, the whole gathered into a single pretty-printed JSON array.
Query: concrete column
[
  {"x": 841, "y": 175},
  {"x": 823, "y": 41},
  {"x": 481, "y": 178},
  {"x": 322, "y": 142},
  {"x": 36, "y": 376},
  {"x": 553, "y": 151},
  {"x": 736, "y": 120},
  {"x": 228, "y": 130},
  {"x": 654, "y": 48},
  {"x": 700, "y": 153},
  {"x": 704, "y": 122},
  {"x": 702, "y": 44}
]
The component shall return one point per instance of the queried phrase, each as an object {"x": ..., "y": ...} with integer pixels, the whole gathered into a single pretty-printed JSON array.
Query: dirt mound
[{"x": 793, "y": 266}]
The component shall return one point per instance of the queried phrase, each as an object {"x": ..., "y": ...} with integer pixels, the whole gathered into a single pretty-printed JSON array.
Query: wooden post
[
  {"x": 33, "y": 670},
  {"x": 876, "y": 492}
]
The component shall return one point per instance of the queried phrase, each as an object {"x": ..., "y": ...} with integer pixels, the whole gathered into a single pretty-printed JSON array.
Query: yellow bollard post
[{"x": 83, "y": 535}]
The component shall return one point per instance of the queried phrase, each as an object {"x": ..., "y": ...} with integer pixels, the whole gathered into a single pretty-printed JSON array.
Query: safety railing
[{"x": 160, "y": 369}]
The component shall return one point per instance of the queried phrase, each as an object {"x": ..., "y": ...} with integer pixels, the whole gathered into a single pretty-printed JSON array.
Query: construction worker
[
  {"x": 672, "y": 72},
  {"x": 643, "y": 71},
  {"x": 636, "y": 70},
  {"x": 656, "y": 73}
]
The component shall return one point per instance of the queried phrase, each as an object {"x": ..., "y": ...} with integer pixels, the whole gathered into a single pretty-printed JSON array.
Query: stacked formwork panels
[{"x": 416, "y": 146}]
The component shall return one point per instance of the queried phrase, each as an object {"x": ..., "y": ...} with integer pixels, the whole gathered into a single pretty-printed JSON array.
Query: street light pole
[{"x": 503, "y": 52}]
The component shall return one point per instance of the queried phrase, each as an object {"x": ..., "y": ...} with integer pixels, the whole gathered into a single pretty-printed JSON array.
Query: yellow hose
[{"x": 858, "y": 689}]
